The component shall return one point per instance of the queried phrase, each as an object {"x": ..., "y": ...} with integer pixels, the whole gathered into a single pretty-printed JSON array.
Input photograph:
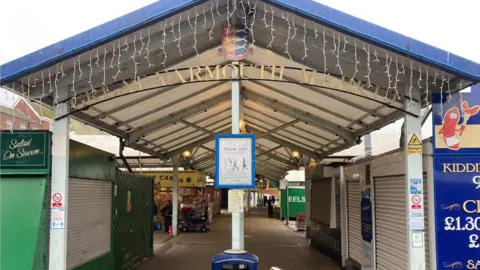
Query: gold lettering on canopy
[{"x": 230, "y": 72}]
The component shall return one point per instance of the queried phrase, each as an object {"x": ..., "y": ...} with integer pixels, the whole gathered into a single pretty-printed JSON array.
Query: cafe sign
[{"x": 25, "y": 149}]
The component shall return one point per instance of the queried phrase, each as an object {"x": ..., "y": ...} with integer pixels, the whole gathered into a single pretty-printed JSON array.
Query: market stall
[{"x": 191, "y": 192}]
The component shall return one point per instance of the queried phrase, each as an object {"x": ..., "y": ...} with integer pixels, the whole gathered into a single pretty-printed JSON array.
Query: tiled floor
[{"x": 274, "y": 243}]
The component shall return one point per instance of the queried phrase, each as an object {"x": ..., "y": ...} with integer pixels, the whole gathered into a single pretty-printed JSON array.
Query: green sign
[
  {"x": 25, "y": 149},
  {"x": 296, "y": 201}
]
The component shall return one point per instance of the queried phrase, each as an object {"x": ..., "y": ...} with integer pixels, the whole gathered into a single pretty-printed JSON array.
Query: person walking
[
  {"x": 167, "y": 211},
  {"x": 273, "y": 200},
  {"x": 264, "y": 200},
  {"x": 270, "y": 209}
]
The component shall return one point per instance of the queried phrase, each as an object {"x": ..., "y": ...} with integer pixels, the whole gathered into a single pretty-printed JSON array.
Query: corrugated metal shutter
[
  {"x": 425, "y": 207},
  {"x": 89, "y": 220},
  {"x": 320, "y": 206},
  {"x": 390, "y": 223},
  {"x": 337, "y": 202},
  {"x": 355, "y": 242},
  {"x": 391, "y": 228}
]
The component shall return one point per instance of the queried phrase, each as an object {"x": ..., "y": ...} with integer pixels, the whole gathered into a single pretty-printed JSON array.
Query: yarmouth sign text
[{"x": 227, "y": 73}]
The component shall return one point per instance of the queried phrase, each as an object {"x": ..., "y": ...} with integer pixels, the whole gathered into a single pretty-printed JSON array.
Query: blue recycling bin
[{"x": 239, "y": 260}]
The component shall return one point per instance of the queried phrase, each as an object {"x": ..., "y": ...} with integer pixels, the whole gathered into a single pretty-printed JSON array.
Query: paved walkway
[{"x": 274, "y": 243}]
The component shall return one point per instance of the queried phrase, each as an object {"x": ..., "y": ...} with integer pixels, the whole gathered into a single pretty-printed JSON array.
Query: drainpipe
[
  {"x": 367, "y": 141},
  {"x": 122, "y": 146}
]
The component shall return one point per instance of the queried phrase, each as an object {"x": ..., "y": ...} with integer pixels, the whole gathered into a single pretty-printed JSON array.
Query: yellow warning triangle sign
[{"x": 414, "y": 141}]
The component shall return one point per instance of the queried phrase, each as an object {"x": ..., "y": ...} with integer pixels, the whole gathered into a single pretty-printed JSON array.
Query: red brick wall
[
  {"x": 23, "y": 107},
  {"x": 18, "y": 122}
]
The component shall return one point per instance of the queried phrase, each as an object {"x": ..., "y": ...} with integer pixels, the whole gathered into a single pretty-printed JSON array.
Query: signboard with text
[
  {"x": 456, "y": 133},
  {"x": 25, "y": 149},
  {"x": 235, "y": 161},
  {"x": 366, "y": 221}
]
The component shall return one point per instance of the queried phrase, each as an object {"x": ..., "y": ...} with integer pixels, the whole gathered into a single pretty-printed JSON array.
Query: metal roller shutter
[
  {"x": 391, "y": 228},
  {"x": 355, "y": 242},
  {"x": 320, "y": 207},
  {"x": 89, "y": 220},
  {"x": 390, "y": 223}
]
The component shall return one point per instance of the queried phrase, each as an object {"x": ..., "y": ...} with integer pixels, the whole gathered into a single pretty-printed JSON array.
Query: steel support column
[
  {"x": 237, "y": 218},
  {"x": 175, "y": 197},
  {"x": 414, "y": 170},
  {"x": 60, "y": 173}
]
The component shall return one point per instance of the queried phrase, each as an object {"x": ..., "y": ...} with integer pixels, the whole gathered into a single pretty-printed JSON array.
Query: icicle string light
[
  {"x": 272, "y": 36},
  {"x": 218, "y": 13},
  {"x": 50, "y": 80},
  {"x": 294, "y": 27},
  {"x": 345, "y": 42},
  {"x": 79, "y": 68},
  {"x": 369, "y": 68},
  {"x": 148, "y": 52},
  {"x": 265, "y": 11},
  {"x": 118, "y": 63},
  {"x": 441, "y": 93},
  {"x": 74, "y": 95},
  {"x": 448, "y": 89},
  {"x": 204, "y": 17},
  {"x": 228, "y": 13},
  {"x": 104, "y": 66},
  {"x": 460, "y": 87},
  {"x": 113, "y": 54},
  {"x": 61, "y": 69},
  {"x": 194, "y": 33},
  {"x": 210, "y": 33},
  {"x": 287, "y": 20},
  {"x": 315, "y": 32},
  {"x": 179, "y": 35},
  {"x": 395, "y": 86},
  {"x": 254, "y": 14},
  {"x": 410, "y": 89},
  {"x": 435, "y": 78},
  {"x": 324, "y": 51},
  {"x": 126, "y": 44},
  {"x": 141, "y": 41},
  {"x": 305, "y": 49},
  {"x": 334, "y": 39},
  {"x": 388, "y": 63},
  {"x": 426, "y": 86},
  {"x": 98, "y": 59},
  {"x": 164, "y": 35},
  {"x": 338, "y": 48},
  {"x": 376, "y": 56},
  {"x": 91, "y": 73}
]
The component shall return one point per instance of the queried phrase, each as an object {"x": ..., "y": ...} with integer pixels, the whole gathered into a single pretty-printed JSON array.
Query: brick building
[{"x": 22, "y": 116}]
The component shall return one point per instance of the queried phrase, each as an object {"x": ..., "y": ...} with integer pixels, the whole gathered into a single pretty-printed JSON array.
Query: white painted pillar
[
  {"x": 175, "y": 197},
  {"x": 333, "y": 205},
  {"x": 237, "y": 218},
  {"x": 60, "y": 161},
  {"x": 343, "y": 216},
  {"x": 414, "y": 170}
]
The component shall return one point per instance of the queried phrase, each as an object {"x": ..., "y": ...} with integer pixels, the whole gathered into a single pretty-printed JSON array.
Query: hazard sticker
[{"x": 414, "y": 146}]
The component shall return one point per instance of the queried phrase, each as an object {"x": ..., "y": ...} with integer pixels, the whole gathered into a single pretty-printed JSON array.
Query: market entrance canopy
[{"x": 313, "y": 79}]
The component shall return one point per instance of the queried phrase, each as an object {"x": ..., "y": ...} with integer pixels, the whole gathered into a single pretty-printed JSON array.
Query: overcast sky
[{"x": 29, "y": 25}]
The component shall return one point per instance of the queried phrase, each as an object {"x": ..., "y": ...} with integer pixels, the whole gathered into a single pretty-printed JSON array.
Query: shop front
[{"x": 192, "y": 196}]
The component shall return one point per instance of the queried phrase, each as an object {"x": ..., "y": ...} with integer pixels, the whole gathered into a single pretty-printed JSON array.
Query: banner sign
[
  {"x": 185, "y": 179},
  {"x": 456, "y": 129},
  {"x": 235, "y": 160},
  {"x": 456, "y": 124},
  {"x": 25, "y": 149},
  {"x": 366, "y": 221}
]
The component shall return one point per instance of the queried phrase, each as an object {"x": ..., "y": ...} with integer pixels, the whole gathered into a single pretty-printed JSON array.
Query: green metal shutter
[
  {"x": 320, "y": 206},
  {"x": 89, "y": 220},
  {"x": 390, "y": 223},
  {"x": 355, "y": 242}
]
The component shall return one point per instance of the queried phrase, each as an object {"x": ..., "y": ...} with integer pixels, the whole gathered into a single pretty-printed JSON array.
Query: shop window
[{"x": 9, "y": 125}]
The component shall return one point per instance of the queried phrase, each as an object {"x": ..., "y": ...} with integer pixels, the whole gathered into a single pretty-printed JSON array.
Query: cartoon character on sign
[
  {"x": 235, "y": 45},
  {"x": 451, "y": 131}
]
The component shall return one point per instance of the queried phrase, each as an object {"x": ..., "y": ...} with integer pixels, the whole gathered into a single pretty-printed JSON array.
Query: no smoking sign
[
  {"x": 57, "y": 199},
  {"x": 416, "y": 202}
]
